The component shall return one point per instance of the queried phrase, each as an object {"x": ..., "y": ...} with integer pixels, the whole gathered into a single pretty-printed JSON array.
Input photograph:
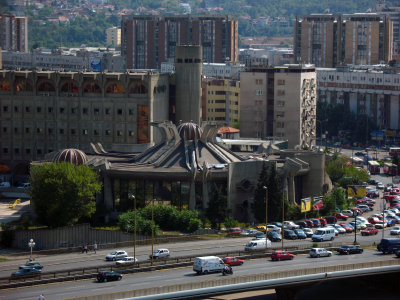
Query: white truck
[
  {"x": 208, "y": 264},
  {"x": 257, "y": 245}
]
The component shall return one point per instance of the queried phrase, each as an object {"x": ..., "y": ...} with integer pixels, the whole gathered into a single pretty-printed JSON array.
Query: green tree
[
  {"x": 259, "y": 194},
  {"x": 63, "y": 193},
  {"x": 217, "y": 207},
  {"x": 230, "y": 222}
]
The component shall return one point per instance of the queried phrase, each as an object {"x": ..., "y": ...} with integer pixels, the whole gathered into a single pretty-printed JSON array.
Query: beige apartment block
[
  {"x": 279, "y": 102},
  {"x": 113, "y": 35},
  {"x": 222, "y": 100}
]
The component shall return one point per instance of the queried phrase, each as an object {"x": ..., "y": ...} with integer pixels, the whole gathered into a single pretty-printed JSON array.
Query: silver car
[
  {"x": 318, "y": 252},
  {"x": 116, "y": 255}
]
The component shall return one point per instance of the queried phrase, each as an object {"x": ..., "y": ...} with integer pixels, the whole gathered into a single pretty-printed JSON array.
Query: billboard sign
[
  {"x": 305, "y": 204},
  {"x": 317, "y": 203}
]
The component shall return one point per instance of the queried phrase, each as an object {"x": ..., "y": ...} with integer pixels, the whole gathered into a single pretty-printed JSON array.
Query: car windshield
[{"x": 113, "y": 253}]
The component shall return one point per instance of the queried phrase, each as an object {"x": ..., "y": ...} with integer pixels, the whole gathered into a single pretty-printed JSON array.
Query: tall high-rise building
[
  {"x": 13, "y": 33},
  {"x": 147, "y": 41},
  {"x": 382, "y": 7},
  {"x": 280, "y": 102},
  {"x": 327, "y": 40}
]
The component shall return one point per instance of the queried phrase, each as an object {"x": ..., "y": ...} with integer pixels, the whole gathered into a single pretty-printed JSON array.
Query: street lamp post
[
  {"x": 266, "y": 218},
  {"x": 355, "y": 213},
  {"x": 131, "y": 196},
  {"x": 152, "y": 230},
  {"x": 283, "y": 219},
  {"x": 31, "y": 244},
  {"x": 383, "y": 213}
]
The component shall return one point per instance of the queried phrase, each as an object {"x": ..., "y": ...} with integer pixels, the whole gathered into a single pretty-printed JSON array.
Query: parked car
[
  {"x": 323, "y": 222},
  {"x": 116, "y": 255},
  {"x": 380, "y": 225},
  {"x": 259, "y": 235},
  {"x": 289, "y": 234},
  {"x": 160, "y": 253},
  {"x": 281, "y": 255},
  {"x": 105, "y": 276},
  {"x": 331, "y": 219},
  {"x": 34, "y": 264},
  {"x": 339, "y": 228},
  {"x": 369, "y": 231},
  {"x": 389, "y": 245},
  {"x": 363, "y": 207},
  {"x": 232, "y": 261},
  {"x": 310, "y": 224},
  {"x": 350, "y": 249},
  {"x": 340, "y": 216},
  {"x": 300, "y": 234},
  {"x": 302, "y": 224},
  {"x": 24, "y": 185},
  {"x": 126, "y": 260},
  {"x": 274, "y": 236},
  {"x": 261, "y": 228},
  {"x": 26, "y": 271},
  {"x": 395, "y": 230},
  {"x": 272, "y": 227},
  {"x": 5, "y": 184},
  {"x": 308, "y": 231},
  {"x": 373, "y": 220},
  {"x": 235, "y": 231},
  {"x": 347, "y": 227},
  {"x": 250, "y": 232},
  {"x": 316, "y": 222},
  {"x": 380, "y": 186},
  {"x": 347, "y": 212},
  {"x": 317, "y": 252},
  {"x": 291, "y": 225}
]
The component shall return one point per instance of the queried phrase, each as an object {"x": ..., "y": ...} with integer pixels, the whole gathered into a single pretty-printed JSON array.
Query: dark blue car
[{"x": 300, "y": 234}]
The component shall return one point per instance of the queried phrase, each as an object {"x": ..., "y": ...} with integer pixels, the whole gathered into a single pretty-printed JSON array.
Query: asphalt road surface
[{"x": 180, "y": 275}]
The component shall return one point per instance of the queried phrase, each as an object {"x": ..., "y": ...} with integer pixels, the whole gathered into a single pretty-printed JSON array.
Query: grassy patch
[{"x": 3, "y": 259}]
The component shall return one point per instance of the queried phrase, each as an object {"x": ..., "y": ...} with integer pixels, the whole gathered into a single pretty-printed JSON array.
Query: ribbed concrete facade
[{"x": 13, "y": 33}]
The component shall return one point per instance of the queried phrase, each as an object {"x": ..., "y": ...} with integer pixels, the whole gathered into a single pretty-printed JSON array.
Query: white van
[
  {"x": 257, "y": 245},
  {"x": 323, "y": 234},
  {"x": 208, "y": 264}
]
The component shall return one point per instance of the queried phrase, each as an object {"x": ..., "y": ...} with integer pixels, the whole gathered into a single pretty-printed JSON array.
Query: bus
[
  {"x": 374, "y": 167},
  {"x": 389, "y": 169},
  {"x": 356, "y": 161},
  {"x": 393, "y": 150}
]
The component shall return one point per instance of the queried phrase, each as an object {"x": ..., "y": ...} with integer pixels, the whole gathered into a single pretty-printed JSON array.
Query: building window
[
  {"x": 119, "y": 132},
  {"x": 280, "y": 114},
  {"x": 16, "y": 109},
  {"x": 50, "y": 109},
  {"x": 61, "y": 131},
  {"x": 27, "y": 130},
  {"x": 39, "y": 130},
  {"x": 259, "y": 81},
  {"x": 16, "y": 150},
  {"x": 5, "y": 108},
  {"x": 16, "y": 130},
  {"x": 280, "y": 104},
  {"x": 50, "y": 130},
  {"x": 61, "y": 110},
  {"x": 281, "y": 92},
  {"x": 119, "y": 111},
  {"x": 39, "y": 151},
  {"x": 108, "y": 132},
  {"x": 131, "y": 133},
  {"x": 27, "y": 109},
  {"x": 131, "y": 112},
  {"x": 73, "y": 131},
  {"x": 5, "y": 150},
  {"x": 28, "y": 151},
  {"x": 85, "y": 132},
  {"x": 85, "y": 110},
  {"x": 73, "y": 110},
  {"x": 38, "y": 109},
  {"x": 280, "y": 125},
  {"x": 95, "y": 132},
  {"x": 259, "y": 92},
  {"x": 108, "y": 111},
  {"x": 281, "y": 82},
  {"x": 96, "y": 111},
  {"x": 4, "y": 129}
]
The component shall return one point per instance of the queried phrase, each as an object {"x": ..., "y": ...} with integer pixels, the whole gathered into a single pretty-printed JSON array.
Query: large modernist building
[
  {"x": 13, "y": 33},
  {"x": 393, "y": 12},
  {"x": 41, "y": 112},
  {"x": 327, "y": 40},
  {"x": 280, "y": 102},
  {"x": 147, "y": 41},
  {"x": 371, "y": 90}
]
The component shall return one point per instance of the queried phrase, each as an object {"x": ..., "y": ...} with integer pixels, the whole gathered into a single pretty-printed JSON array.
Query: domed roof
[
  {"x": 73, "y": 156},
  {"x": 189, "y": 131}
]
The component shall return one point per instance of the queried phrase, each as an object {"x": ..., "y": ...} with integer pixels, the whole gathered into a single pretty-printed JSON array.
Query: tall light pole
[
  {"x": 152, "y": 230},
  {"x": 355, "y": 213},
  {"x": 283, "y": 218},
  {"x": 266, "y": 218},
  {"x": 131, "y": 196},
  {"x": 31, "y": 244}
]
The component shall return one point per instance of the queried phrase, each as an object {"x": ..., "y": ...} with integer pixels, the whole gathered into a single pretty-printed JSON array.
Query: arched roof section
[
  {"x": 137, "y": 86},
  {"x": 45, "y": 85},
  {"x": 23, "y": 84},
  {"x": 91, "y": 86},
  {"x": 115, "y": 87},
  {"x": 5, "y": 85},
  {"x": 73, "y": 156},
  {"x": 69, "y": 86}
]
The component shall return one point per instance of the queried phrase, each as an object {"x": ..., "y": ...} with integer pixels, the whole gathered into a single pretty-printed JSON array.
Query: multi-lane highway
[{"x": 179, "y": 276}]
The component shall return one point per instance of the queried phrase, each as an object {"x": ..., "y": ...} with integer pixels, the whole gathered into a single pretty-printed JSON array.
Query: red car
[
  {"x": 281, "y": 255},
  {"x": 369, "y": 231},
  {"x": 310, "y": 223},
  {"x": 323, "y": 222},
  {"x": 340, "y": 216},
  {"x": 373, "y": 220},
  {"x": 233, "y": 261},
  {"x": 235, "y": 231},
  {"x": 360, "y": 212},
  {"x": 346, "y": 227}
]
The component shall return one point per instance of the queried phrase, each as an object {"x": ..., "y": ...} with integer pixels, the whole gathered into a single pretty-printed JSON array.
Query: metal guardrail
[{"x": 171, "y": 262}]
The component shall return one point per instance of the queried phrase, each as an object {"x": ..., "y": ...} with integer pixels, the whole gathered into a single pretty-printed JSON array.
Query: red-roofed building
[{"x": 228, "y": 133}]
